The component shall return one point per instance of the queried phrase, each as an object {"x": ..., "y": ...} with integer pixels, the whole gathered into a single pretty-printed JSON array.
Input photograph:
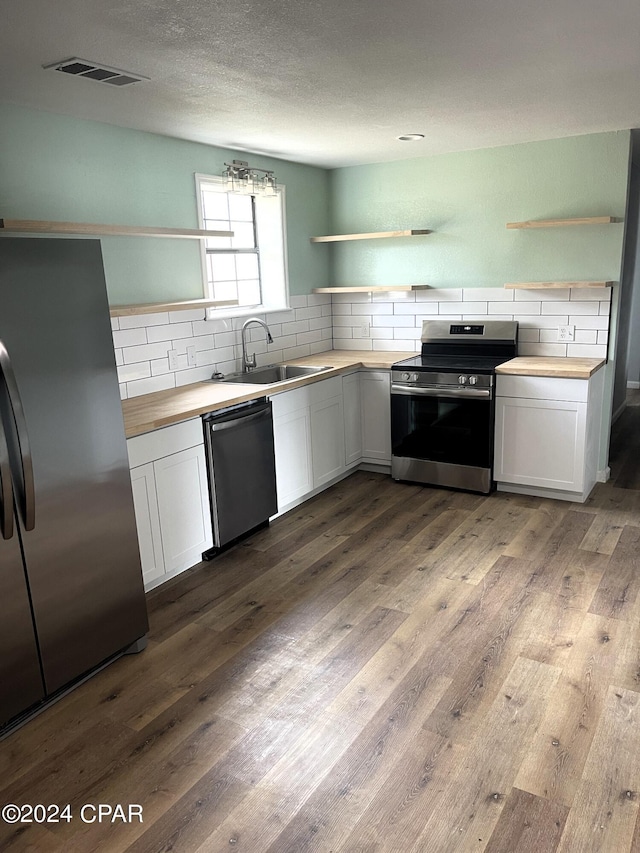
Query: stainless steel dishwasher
[{"x": 242, "y": 471}]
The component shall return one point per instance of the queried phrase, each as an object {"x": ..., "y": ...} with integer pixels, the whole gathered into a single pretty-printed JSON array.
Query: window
[{"x": 251, "y": 265}]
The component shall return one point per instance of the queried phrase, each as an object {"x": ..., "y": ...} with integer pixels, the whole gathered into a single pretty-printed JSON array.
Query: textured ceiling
[{"x": 333, "y": 82}]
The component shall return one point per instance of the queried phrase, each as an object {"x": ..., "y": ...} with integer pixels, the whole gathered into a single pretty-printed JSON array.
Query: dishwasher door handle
[{"x": 243, "y": 419}]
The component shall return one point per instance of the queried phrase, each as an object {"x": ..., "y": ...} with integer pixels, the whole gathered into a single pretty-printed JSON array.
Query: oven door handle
[{"x": 455, "y": 393}]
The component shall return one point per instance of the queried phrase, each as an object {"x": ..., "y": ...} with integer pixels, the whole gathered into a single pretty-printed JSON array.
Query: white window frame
[{"x": 272, "y": 244}]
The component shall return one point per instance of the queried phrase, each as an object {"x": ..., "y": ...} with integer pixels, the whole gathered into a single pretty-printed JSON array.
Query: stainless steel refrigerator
[{"x": 71, "y": 593}]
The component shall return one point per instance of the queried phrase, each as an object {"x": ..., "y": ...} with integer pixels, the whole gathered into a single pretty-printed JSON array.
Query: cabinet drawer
[
  {"x": 163, "y": 442},
  {"x": 543, "y": 388}
]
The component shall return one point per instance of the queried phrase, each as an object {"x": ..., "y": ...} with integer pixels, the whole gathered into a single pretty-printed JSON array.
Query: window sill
[{"x": 235, "y": 313}]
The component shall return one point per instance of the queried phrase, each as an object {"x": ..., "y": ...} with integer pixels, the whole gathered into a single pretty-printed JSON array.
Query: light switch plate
[{"x": 566, "y": 333}]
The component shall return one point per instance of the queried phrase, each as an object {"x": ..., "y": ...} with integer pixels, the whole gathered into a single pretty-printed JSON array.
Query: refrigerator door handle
[
  {"x": 27, "y": 498},
  {"x": 6, "y": 491}
]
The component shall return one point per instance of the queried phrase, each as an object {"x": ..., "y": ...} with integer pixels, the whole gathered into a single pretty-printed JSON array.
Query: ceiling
[{"x": 334, "y": 82}]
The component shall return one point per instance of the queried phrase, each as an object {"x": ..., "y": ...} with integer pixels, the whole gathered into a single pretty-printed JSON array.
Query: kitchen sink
[{"x": 273, "y": 373}]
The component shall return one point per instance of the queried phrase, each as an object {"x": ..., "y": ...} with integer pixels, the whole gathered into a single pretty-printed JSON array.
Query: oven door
[{"x": 443, "y": 436}]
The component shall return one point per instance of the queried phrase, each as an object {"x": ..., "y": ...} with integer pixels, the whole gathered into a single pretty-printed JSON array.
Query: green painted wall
[
  {"x": 467, "y": 198},
  {"x": 55, "y": 167}
]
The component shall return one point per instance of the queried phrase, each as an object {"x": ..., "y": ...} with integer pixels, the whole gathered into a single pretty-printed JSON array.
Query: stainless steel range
[{"x": 442, "y": 404}]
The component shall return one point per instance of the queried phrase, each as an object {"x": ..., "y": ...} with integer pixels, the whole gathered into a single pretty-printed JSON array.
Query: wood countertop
[
  {"x": 532, "y": 365},
  {"x": 162, "y": 408}
]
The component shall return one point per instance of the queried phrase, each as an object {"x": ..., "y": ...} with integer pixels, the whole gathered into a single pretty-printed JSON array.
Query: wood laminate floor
[{"x": 390, "y": 668}]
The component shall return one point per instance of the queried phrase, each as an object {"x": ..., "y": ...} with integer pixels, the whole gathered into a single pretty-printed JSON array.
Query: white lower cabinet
[
  {"x": 547, "y": 435},
  {"x": 308, "y": 429},
  {"x": 292, "y": 441},
  {"x": 352, "y": 407},
  {"x": 376, "y": 416},
  {"x": 171, "y": 499}
]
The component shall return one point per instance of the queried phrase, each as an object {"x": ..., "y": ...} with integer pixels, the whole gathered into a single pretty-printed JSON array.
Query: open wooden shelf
[
  {"x": 561, "y": 223},
  {"x": 155, "y": 307},
  {"x": 34, "y": 226},
  {"x": 375, "y": 235},
  {"x": 394, "y": 288},
  {"x": 556, "y": 285}
]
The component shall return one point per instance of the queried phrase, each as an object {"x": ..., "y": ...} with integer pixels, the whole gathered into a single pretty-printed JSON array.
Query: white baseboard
[
  {"x": 632, "y": 384},
  {"x": 604, "y": 476}
]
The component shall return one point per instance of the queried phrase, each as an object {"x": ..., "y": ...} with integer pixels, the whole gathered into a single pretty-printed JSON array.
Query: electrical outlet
[
  {"x": 191, "y": 356},
  {"x": 362, "y": 331},
  {"x": 566, "y": 333},
  {"x": 173, "y": 359}
]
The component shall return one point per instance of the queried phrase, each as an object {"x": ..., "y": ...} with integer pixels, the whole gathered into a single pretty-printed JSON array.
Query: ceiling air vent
[{"x": 95, "y": 71}]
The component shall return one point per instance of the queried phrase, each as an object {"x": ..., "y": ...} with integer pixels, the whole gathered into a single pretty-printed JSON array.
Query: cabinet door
[
  {"x": 376, "y": 416},
  {"x": 540, "y": 443},
  {"x": 292, "y": 440},
  {"x": 327, "y": 440},
  {"x": 183, "y": 503},
  {"x": 352, "y": 418},
  {"x": 145, "y": 502}
]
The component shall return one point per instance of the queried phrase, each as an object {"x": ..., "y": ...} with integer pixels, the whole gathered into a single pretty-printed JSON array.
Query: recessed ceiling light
[{"x": 410, "y": 137}]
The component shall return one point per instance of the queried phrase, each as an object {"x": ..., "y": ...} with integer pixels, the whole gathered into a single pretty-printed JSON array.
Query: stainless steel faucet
[{"x": 249, "y": 361}]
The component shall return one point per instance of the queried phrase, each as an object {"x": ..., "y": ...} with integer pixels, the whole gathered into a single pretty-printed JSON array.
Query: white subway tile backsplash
[
  {"x": 595, "y": 294},
  {"x": 318, "y": 299},
  {"x": 318, "y": 347},
  {"x": 542, "y": 349},
  {"x": 493, "y": 294},
  {"x": 148, "y": 386},
  {"x": 537, "y": 311},
  {"x": 115, "y": 324},
  {"x": 400, "y": 345},
  {"x": 603, "y": 338},
  {"x": 298, "y": 301},
  {"x": 129, "y": 337},
  {"x": 194, "y": 374},
  {"x": 139, "y": 321},
  {"x": 295, "y": 352},
  {"x": 170, "y": 332},
  {"x": 381, "y": 334},
  {"x": 586, "y": 336},
  {"x": 350, "y": 344},
  {"x": 159, "y": 366},
  {"x": 393, "y": 320},
  {"x": 605, "y": 308},
  {"x": 129, "y": 372},
  {"x": 309, "y": 337},
  {"x": 586, "y": 350},
  {"x": 570, "y": 307},
  {"x": 319, "y": 323},
  {"x": 448, "y": 294},
  {"x": 582, "y": 321},
  {"x": 123, "y": 391},
  {"x": 390, "y": 296},
  {"x": 145, "y": 352},
  {"x": 350, "y": 297},
  {"x": 543, "y": 322},
  {"x": 308, "y": 313},
  {"x": 119, "y": 357},
  {"x": 463, "y": 307},
  {"x": 295, "y": 328},
  {"x": 515, "y": 309},
  {"x": 549, "y": 295}
]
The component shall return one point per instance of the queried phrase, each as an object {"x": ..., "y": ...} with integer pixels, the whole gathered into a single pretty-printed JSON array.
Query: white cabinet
[
  {"x": 327, "y": 440},
  {"x": 292, "y": 442},
  {"x": 308, "y": 429},
  {"x": 145, "y": 502},
  {"x": 547, "y": 435},
  {"x": 171, "y": 499},
  {"x": 352, "y": 405},
  {"x": 376, "y": 416}
]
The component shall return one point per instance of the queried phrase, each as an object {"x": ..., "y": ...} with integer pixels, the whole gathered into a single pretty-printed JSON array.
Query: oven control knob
[
  {"x": 406, "y": 377},
  {"x": 473, "y": 380},
  {"x": 462, "y": 380},
  {"x": 414, "y": 377}
]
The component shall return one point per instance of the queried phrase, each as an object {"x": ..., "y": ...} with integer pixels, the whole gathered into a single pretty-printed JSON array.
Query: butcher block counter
[
  {"x": 536, "y": 365},
  {"x": 162, "y": 408}
]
